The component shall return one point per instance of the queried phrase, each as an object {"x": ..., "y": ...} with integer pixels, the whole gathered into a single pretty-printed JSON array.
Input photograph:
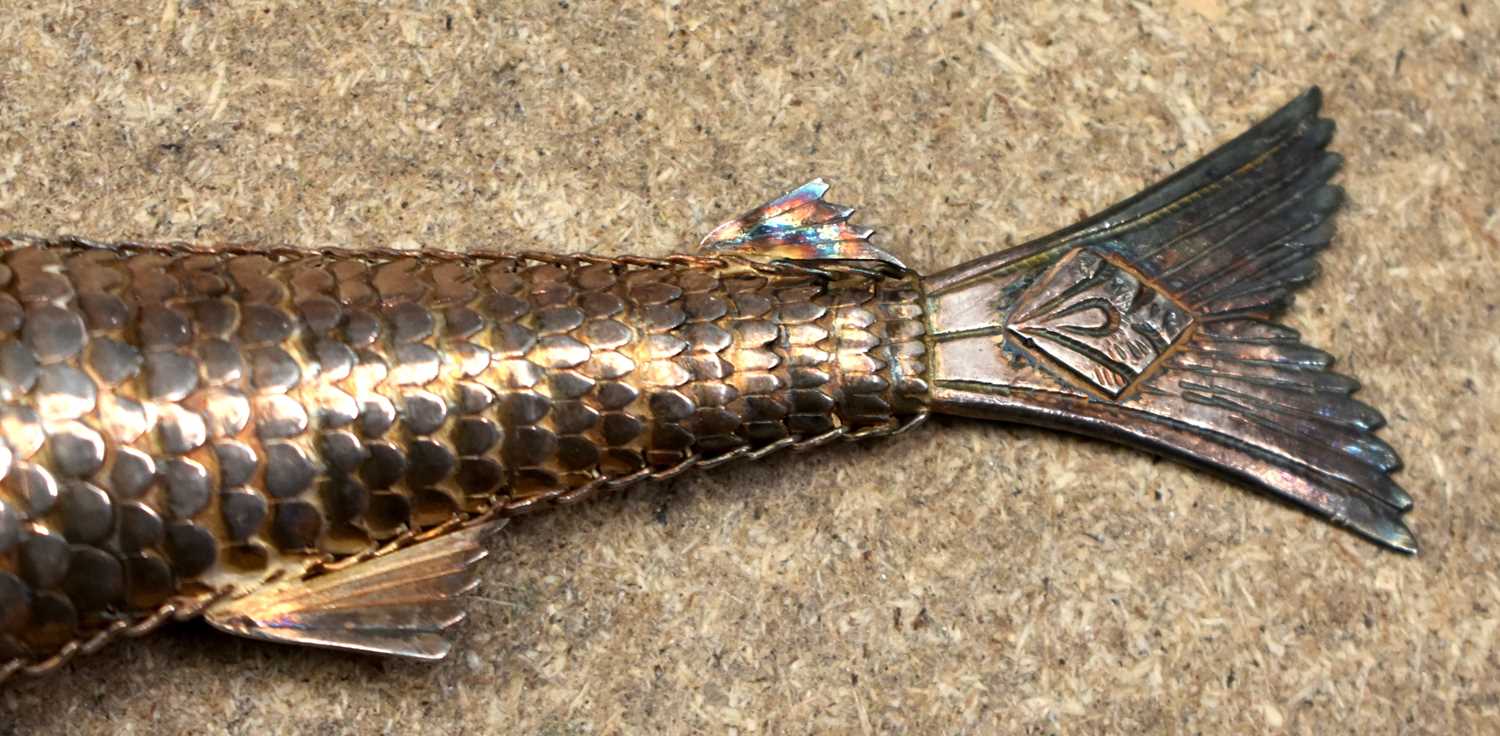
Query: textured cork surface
[{"x": 966, "y": 578}]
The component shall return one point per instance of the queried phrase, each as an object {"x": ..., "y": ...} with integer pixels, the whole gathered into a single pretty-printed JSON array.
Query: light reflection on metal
[{"x": 307, "y": 445}]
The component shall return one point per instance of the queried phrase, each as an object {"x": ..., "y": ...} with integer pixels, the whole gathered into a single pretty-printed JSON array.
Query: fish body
[{"x": 309, "y": 446}]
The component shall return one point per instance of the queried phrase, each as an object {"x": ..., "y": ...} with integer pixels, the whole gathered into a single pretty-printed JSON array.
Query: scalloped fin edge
[{"x": 800, "y": 226}]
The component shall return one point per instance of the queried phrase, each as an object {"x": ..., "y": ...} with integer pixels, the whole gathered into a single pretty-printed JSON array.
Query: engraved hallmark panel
[{"x": 1099, "y": 319}]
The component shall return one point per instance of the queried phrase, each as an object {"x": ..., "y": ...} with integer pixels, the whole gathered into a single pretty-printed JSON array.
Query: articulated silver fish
[{"x": 309, "y": 446}]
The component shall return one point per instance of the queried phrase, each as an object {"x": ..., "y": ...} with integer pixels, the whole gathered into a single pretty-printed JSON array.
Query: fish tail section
[{"x": 1155, "y": 324}]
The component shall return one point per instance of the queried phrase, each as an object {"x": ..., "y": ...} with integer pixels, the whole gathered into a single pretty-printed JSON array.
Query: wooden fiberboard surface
[{"x": 965, "y": 578}]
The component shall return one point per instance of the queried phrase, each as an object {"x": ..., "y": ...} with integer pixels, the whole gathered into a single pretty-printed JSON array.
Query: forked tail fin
[{"x": 1152, "y": 324}]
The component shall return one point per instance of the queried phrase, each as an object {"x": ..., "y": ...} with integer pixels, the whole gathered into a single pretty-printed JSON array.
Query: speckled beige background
[{"x": 968, "y": 578}]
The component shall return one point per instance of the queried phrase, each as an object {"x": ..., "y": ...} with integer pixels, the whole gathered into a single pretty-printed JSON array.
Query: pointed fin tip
[
  {"x": 1380, "y": 525},
  {"x": 398, "y": 604},
  {"x": 1314, "y": 97},
  {"x": 1398, "y": 495},
  {"x": 1397, "y": 536},
  {"x": 1307, "y": 104},
  {"x": 428, "y": 648},
  {"x": 799, "y": 227},
  {"x": 1392, "y": 498},
  {"x": 467, "y": 588},
  {"x": 458, "y": 616}
]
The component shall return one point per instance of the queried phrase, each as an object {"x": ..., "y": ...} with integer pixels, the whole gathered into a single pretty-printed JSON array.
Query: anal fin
[{"x": 398, "y": 604}]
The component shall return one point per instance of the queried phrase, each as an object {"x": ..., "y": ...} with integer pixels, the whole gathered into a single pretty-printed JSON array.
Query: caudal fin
[{"x": 1153, "y": 324}]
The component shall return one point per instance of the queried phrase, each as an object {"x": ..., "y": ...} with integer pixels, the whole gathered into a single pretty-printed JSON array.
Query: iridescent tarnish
[
  {"x": 308, "y": 446},
  {"x": 800, "y": 226}
]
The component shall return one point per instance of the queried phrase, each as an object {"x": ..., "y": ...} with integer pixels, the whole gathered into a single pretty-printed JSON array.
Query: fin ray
[
  {"x": 397, "y": 604},
  {"x": 1202, "y": 264},
  {"x": 800, "y": 226}
]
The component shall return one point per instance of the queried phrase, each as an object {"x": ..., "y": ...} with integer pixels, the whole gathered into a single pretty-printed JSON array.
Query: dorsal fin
[
  {"x": 398, "y": 604},
  {"x": 801, "y": 226}
]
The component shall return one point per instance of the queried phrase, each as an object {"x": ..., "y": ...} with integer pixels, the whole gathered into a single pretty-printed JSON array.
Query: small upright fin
[
  {"x": 397, "y": 604},
  {"x": 800, "y": 226}
]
